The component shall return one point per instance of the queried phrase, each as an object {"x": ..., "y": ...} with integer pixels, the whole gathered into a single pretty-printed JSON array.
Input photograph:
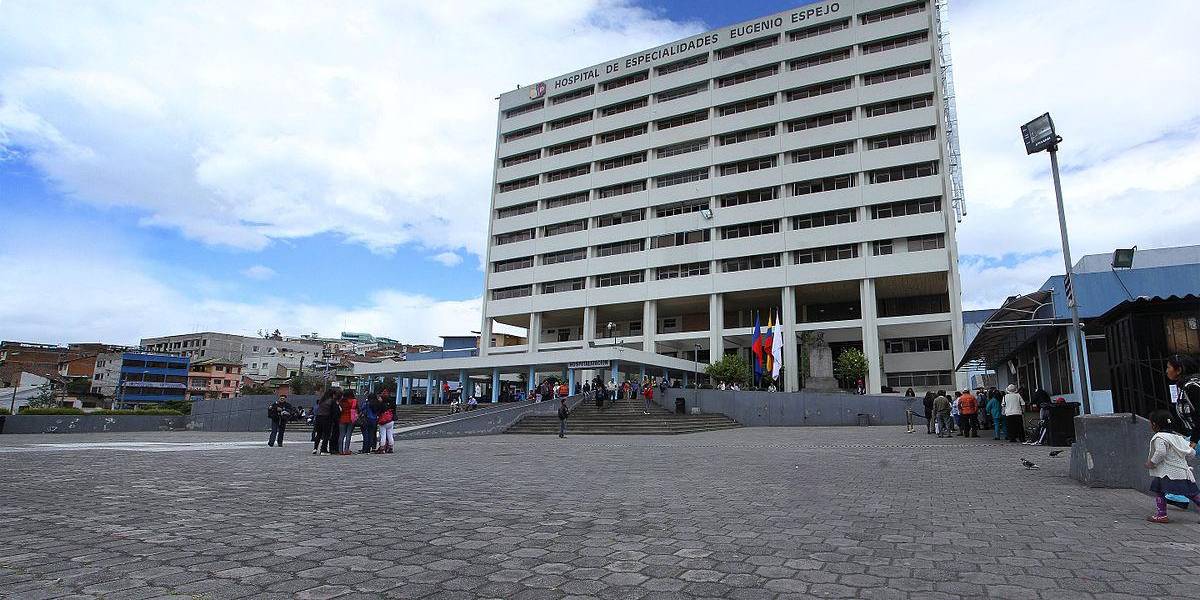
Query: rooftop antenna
[{"x": 950, "y": 110}]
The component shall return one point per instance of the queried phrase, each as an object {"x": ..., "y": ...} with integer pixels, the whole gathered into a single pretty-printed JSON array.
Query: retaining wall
[
  {"x": 793, "y": 409},
  {"x": 92, "y": 423},
  {"x": 483, "y": 422},
  {"x": 244, "y": 413}
]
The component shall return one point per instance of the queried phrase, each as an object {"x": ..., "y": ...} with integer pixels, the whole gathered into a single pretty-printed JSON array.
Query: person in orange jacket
[{"x": 968, "y": 410}]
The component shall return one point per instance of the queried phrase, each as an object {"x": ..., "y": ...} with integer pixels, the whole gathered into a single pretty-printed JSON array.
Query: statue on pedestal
[{"x": 820, "y": 365}]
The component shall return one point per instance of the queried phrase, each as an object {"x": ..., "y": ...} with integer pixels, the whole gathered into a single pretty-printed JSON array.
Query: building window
[
  {"x": 623, "y": 188},
  {"x": 819, "y": 89},
  {"x": 565, "y": 285},
  {"x": 681, "y": 148},
  {"x": 823, "y": 120},
  {"x": 815, "y": 30},
  {"x": 749, "y": 229},
  {"x": 903, "y": 172},
  {"x": 523, "y": 109},
  {"x": 516, "y": 236},
  {"x": 620, "y": 134},
  {"x": 746, "y": 166},
  {"x": 681, "y": 177},
  {"x": 567, "y": 200},
  {"x": 911, "y": 39},
  {"x": 825, "y": 254},
  {"x": 508, "y": 292},
  {"x": 625, "y": 247},
  {"x": 513, "y": 136},
  {"x": 501, "y": 266},
  {"x": 746, "y": 263},
  {"x": 825, "y": 219},
  {"x": 561, "y": 228},
  {"x": 621, "y": 161},
  {"x": 679, "y": 239},
  {"x": 935, "y": 343},
  {"x": 572, "y": 95},
  {"x": 824, "y": 184},
  {"x": 571, "y": 120},
  {"x": 920, "y": 379},
  {"x": 746, "y": 135},
  {"x": 746, "y": 105},
  {"x": 564, "y": 256},
  {"x": 881, "y": 247},
  {"x": 628, "y": 216},
  {"x": 627, "y": 106},
  {"x": 745, "y": 76},
  {"x": 520, "y": 158},
  {"x": 568, "y": 173},
  {"x": 620, "y": 82},
  {"x": 517, "y": 184},
  {"x": 681, "y": 92},
  {"x": 570, "y": 146},
  {"x": 903, "y": 138},
  {"x": 740, "y": 49},
  {"x": 622, "y": 278},
  {"x": 680, "y": 65},
  {"x": 934, "y": 241},
  {"x": 897, "y": 73},
  {"x": 914, "y": 305},
  {"x": 748, "y": 197},
  {"x": 906, "y": 207},
  {"x": 684, "y": 270},
  {"x": 680, "y": 120},
  {"x": 823, "y": 58},
  {"x": 512, "y": 211},
  {"x": 679, "y": 208},
  {"x": 891, "y": 13},
  {"x": 819, "y": 152},
  {"x": 894, "y": 106}
]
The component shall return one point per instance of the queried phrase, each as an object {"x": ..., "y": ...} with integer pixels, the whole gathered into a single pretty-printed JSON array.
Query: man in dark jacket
[
  {"x": 563, "y": 413},
  {"x": 280, "y": 412}
]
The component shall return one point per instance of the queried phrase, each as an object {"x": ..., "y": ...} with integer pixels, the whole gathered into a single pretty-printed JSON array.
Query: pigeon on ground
[
  {"x": 1029, "y": 465},
  {"x": 1056, "y": 453}
]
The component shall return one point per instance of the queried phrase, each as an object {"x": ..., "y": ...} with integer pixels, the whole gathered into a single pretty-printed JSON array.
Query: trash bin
[
  {"x": 2, "y": 418},
  {"x": 679, "y": 406},
  {"x": 1062, "y": 423}
]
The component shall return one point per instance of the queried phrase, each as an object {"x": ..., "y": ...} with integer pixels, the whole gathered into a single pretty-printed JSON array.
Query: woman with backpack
[
  {"x": 346, "y": 420},
  {"x": 387, "y": 426},
  {"x": 323, "y": 422},
  {"x": 368, "y": 422}
]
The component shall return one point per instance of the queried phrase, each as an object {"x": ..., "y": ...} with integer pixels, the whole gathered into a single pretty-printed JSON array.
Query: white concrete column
[
  {"x": 649, "y": 324},
  {"x": 535, "y": 331},
  {"x": 485, "y": 336},
  {"x": 870, "y": 334},
  {"x": 791, "y": 357},
  {"x": 589, "y": 326},
  {"x": 716, "y": 327}
]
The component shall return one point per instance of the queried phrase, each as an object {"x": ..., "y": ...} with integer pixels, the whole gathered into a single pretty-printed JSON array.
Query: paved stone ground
[{"x": 745, "y": 514}]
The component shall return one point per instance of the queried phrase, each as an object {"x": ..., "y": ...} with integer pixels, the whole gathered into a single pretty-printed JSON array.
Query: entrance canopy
[
  {"x": 593, "y": 358},
  {"x": 1018, "y": 321}
]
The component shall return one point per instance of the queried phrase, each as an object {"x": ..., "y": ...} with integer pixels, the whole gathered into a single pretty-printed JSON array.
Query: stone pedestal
[{"x": 820, "y": 367}]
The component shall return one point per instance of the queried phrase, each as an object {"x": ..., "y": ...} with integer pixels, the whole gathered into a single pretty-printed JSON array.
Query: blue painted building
[
  {"x": 1027, "y": 340},
  {"x": 150, "y": 378}
]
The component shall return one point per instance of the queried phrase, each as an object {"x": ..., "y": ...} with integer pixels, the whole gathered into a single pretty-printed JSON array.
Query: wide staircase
[{"x": 624, "y": 417}]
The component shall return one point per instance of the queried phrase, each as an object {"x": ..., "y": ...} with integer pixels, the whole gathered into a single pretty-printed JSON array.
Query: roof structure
[{"x": 1018, "y": 321}]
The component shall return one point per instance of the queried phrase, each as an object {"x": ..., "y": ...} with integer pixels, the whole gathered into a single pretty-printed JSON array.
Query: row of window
[
  {"x": 806, "y": 221},
  {"x": 934, "y": 343},
  {"x": 802, "y": 124},
  {"x": 747, "y": 47}
]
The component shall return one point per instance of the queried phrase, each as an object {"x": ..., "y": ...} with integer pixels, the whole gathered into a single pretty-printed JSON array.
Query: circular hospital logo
[{"x": 537, "y": 91}]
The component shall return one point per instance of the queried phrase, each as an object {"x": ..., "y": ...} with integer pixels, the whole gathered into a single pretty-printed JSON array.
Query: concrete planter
[{"x": 92, "y": 423}]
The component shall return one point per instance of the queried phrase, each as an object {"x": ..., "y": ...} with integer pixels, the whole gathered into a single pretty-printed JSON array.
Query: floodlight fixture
[
  {"x": 1123, "y": 258},
  {"x": 1039, "y": 134}
]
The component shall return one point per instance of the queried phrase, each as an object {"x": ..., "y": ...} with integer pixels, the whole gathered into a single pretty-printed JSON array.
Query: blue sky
[{"x": 327, "y": 169}]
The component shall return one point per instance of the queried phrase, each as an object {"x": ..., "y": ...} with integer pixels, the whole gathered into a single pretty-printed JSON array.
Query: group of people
[
  {"x": 965, "y": 413},
  {"x": 338, "y": 412}
]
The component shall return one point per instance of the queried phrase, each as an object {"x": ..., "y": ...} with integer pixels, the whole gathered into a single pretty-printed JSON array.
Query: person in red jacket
[
  {"x": 968, "y": 411},
  {"x": 346, "y": 421}
]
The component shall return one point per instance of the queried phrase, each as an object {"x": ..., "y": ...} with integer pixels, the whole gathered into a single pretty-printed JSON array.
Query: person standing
[
  {"x": 1014, "y": 414},
  {"x": 927, "y": 402},
  {"x": 368, "y": 418},
  {"x": 387, "y": 426},
  {"x": 563, "y": 413},
  {"x": 323, "y": 422},
  {"x": 1168, "y": 465},
  {"x": 648, "y": 394},
  {"x": 280, "y": 412},
  {"x": 955, "y": 414},
  {"x": 909, "y": 397},
  {"x": 941, "y": 409},
  {"x": 1184, "y": 373},
  {"x": 994, "y": 409},
  {"x": 346, "y": 419},
  {"x": 968, "y": 410}
]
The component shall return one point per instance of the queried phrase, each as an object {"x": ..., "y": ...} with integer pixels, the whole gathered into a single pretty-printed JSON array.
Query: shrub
[
  {"x": 57, "y": 410},
  {"x": 4, "y": 411},
  {"x": 730, "y": 369}
]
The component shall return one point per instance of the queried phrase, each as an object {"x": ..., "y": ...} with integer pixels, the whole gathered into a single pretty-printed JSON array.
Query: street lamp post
[
  {"x": 695, "y": 372},
  {"x": 1039, "y": 134}
]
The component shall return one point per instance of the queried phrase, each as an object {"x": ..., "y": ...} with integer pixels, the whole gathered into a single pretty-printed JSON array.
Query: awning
[{"x": 1020, "y": 319}]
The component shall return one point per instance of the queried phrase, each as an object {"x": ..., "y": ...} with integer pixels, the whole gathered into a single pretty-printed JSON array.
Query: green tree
[
  {"x": 256, "y": 389},
  {"x": 306, "y": 384},
  {"x": 45, "y": 398},
  {"x": 730, "y": 369},
  {"x": 851, "y": 364}
]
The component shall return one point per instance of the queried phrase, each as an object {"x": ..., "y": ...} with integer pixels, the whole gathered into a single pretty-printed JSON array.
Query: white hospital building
[{"x": 803, "y": 164}]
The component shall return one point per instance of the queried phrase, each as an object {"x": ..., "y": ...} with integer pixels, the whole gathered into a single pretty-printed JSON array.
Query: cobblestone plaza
[{"x": 746, "y": 514}]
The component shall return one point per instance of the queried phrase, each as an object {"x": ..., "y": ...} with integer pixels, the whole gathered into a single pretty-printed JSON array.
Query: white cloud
[
  {"x": 449, "y": 259},
  {"x": 259, "y": 272},
  {"x": 1122, "y": 89},
  {"x": 238, "y": 123}
]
